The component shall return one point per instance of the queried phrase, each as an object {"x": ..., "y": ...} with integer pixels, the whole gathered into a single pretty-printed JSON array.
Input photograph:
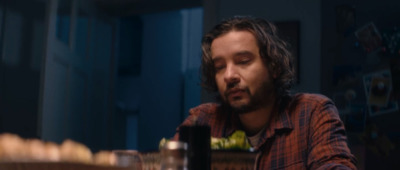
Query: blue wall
[
  {"x": 154, "y": 96},
  {"x": 161, "y": 82}
]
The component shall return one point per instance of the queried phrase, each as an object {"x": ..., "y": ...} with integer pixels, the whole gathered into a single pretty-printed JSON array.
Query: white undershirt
[{"x": 254, "y": 140}]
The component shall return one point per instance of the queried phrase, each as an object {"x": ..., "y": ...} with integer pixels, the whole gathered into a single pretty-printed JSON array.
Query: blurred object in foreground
[
  {"x": 174, "y": 156},
  {"x": 128, "y": 158},
  {"x": 198, "y": 139},
  {"x": 220, "y": 159}
]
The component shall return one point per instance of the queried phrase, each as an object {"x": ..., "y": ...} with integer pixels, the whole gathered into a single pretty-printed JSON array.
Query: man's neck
[{"x": 255, "y": 121}]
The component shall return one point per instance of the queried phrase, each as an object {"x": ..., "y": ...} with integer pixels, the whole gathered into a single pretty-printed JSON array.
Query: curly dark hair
[{"x": 273, "y": 51}]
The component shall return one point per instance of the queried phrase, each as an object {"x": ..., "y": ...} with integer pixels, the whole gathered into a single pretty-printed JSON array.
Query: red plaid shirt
[{"x": 307, "y": 135}]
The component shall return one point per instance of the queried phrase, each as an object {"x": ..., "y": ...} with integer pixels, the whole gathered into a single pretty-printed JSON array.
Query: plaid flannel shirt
[{"x": 307, "y": 135}]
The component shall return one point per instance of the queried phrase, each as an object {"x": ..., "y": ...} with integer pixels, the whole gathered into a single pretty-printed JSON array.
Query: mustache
[
  {"x": 234, "y": 89},
  {"x": 230, "y": 88}
]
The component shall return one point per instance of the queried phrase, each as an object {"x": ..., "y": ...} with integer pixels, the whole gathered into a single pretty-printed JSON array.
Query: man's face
[{"x": 243, "y": 80}]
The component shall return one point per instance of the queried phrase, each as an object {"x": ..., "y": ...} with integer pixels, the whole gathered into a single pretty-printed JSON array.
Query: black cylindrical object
[{"x": 199, "y": 150}]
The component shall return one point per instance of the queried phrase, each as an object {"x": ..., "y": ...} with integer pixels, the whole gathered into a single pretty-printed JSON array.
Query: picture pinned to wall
[
  {"x": 369, "y": 37},
  {"x": 378, "y": 90},
  {"x": 351, "y": 112},
  {"x": 391, "y": 41}
]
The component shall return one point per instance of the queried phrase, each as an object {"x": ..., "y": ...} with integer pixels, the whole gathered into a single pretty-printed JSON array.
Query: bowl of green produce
[{"x": 233, "y": 152}]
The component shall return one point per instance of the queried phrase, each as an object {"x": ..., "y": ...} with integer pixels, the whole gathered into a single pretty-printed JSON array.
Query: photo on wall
[
  {"x": 378, "y": 90},
  {"x": 369, "y": 37}
]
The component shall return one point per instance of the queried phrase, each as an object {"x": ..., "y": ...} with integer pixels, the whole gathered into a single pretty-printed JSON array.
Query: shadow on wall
[
  {"x": 22, "y": 39},
  {"x": 166, "y": 83}
]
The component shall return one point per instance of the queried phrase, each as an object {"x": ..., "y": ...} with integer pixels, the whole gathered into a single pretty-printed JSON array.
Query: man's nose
[{"x": 231, "y": 74}]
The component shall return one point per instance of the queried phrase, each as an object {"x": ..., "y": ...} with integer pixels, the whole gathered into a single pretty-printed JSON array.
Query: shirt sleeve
[
  {"x": 327, "y": 141},
  {"x": 203, "y": 114},
  {"x": 190, "y": 120}
]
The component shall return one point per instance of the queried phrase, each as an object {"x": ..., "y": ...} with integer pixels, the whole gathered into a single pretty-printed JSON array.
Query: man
[{"x": 250, "y": 67}]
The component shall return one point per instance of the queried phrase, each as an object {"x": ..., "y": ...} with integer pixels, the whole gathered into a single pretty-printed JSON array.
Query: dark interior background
[{"x": 347, "y": 50}]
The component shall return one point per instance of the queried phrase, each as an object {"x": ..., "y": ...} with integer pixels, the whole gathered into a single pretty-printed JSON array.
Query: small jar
[
  {"x": 128, "y": 158},
  {"x": 174, "y": 156}
]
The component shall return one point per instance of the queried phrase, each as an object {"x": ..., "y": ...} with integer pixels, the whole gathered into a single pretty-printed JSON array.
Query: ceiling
[{"x": 136, "y": 7}]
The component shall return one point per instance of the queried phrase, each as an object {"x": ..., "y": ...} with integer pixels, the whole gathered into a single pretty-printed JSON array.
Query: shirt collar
[{"x": 279, "y": 123}]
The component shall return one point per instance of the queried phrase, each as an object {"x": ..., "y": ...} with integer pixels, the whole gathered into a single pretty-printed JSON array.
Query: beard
[{"x": 261, "y": 97}]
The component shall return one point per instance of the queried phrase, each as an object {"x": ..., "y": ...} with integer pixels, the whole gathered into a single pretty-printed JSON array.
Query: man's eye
[
  {"x": 218, "y": 68},
  {"x": 244, "y": 61}
]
